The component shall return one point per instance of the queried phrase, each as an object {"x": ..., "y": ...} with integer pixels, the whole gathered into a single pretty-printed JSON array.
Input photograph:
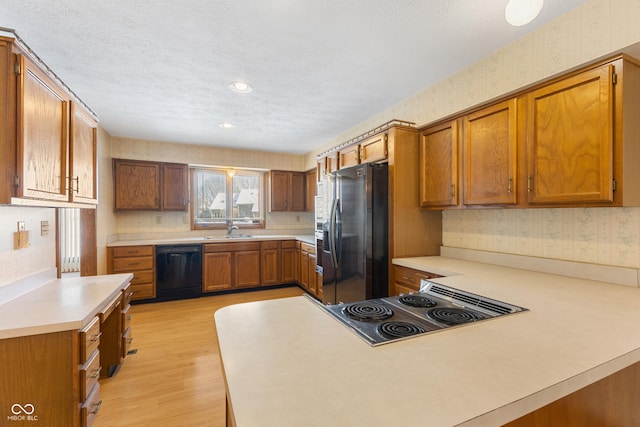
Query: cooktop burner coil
[
  {"x": 417, "y": 301},
  {"x": 399, "y": 329},
  {"x": 367, "y": 311},
  {"x": 453, "y": 315}
]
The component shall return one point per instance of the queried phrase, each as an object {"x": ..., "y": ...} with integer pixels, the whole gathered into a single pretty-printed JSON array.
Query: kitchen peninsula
[
  {"x": 56, "y": 341},
  {"x": 288, "y": 363}
]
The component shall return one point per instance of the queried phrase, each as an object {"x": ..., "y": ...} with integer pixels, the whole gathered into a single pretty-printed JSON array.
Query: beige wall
[
  {"x": 603, "y": 235},
  {"x": 41, "y": 253}
]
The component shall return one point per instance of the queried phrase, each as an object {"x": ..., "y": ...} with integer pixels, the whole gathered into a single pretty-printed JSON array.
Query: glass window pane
[
  {"x": 247, "y": 207},
  {"x": 210, "y": 204}
]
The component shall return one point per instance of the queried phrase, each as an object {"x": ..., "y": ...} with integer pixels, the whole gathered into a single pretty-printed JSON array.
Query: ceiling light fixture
[
  {"x": 240, "y": 87},
  {"x": 521, "y": 12},
  {"x": 226, "y": 125}
]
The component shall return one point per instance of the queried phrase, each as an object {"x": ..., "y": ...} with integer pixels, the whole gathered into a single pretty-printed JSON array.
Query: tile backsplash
[{"x": 607, "y": 236}]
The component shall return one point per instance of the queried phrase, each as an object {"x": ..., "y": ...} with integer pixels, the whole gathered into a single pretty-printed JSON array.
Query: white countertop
[
  {"x": 59, "y": 305},
  {"x": 215, "y": 238},
  {"x": 288, "y": 363}
]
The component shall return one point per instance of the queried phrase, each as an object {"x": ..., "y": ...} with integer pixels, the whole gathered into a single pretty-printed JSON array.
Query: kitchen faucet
[{"x": 230, "y": 229}]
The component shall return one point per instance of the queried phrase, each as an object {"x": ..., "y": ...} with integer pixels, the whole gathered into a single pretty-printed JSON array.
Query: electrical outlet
[
  {"x": 21, "y": 226},
  {"x": 44, "y": 228}
]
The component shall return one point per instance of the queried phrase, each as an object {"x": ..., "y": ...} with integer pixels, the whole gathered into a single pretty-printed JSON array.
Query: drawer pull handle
[
  {"x": 97, "y": 407},
  {"x": 411, "y": 279},
  {"x": 96, "y": 373},
  {"x": 95, "y": 337}
]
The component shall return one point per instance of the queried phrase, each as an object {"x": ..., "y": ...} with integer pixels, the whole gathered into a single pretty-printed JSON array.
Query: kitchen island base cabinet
[{"x": 612, "y": 401}]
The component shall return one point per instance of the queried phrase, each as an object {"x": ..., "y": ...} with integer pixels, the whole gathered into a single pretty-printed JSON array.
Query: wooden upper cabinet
[
  {"x": 137, "y": 184},
  {"x": 288, "y": 191},
  {"x": 279, "y": 191},
  {"x": 332, "y": 162},
  {"x": 311, "y": 190},
  {"x": 43, "y": 126},
  {"x": 349, "y": 156},
  {"x": 47, "y": 136},
  {"x": 570, "y": 139},
  {"x": 439, "y": 165},
  {"x": 489, "y": 152},
  {"x": 83, "y": 146},
  {"x": 298, "y": 191},
  {"x": 144, "y": 185},
  {"x": 374, "y": 149},
  {"x": 175, "y": 187}
]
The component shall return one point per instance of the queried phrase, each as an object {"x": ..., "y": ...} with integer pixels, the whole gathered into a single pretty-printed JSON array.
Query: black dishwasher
[{"x": 178, "y": 272}]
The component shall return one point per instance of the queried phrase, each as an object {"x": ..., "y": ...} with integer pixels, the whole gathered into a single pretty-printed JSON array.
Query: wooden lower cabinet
[
  {"x": 407, "y": 280},
  {"x": 139, "y": 260},
  {"x": 231, "y": 266},
  {"x": 54, "y": 377},
  {"x": 290, "y": 261},
  {"x": 270, "y": 252},
  {"x": 308, "y": 277}
]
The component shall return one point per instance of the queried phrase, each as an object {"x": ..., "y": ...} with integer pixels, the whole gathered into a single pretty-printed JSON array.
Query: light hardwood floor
[{"x": 175, "y": 378}]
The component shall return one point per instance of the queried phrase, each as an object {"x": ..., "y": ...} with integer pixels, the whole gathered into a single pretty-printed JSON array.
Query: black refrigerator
[{"x": 355, "y": 250}]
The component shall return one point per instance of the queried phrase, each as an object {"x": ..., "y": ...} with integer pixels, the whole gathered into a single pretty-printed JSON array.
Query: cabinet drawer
[
  {"x": 307, "y": 248},
  {"x": 271, "y": 244},
  {"x": 90, "y": 407},
  {"x": 127, "y": 292},
  {"x": 132, "y": 251},
  {"x": 410, "y": 278},
  {"x": 89, "y": 374},
  {"x": 232, "y": 247},
  {"x": 142, "y": 277},
  {"x": 125, "y": 265},
  {"x": 126, "y": 317},
  {"x": 110, "y": 308},
  {"x": 89, "y": 339},
  {"x": 288, "y": 244},
  {"x": 143, "y": 291},
  {"x": 126, "y": 341}
]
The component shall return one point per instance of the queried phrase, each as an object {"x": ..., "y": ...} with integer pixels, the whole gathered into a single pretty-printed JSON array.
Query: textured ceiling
[{"x": 160, "y": 69}]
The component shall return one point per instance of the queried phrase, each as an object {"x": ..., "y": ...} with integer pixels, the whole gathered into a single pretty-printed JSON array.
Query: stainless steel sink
[{"x": 235, "y": 236}]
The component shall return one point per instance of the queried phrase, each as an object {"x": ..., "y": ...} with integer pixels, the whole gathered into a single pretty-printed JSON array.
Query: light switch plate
[{"x": 21, "y": 226}]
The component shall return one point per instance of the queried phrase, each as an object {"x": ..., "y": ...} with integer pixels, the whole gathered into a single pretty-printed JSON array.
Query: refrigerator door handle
[{"x": 332, "y": 233}]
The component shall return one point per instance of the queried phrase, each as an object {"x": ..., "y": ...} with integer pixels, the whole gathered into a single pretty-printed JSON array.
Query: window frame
[{"x": 229, "y": 173}]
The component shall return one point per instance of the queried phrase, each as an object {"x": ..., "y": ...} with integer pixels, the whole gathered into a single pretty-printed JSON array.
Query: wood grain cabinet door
[
  {"x": 374, "y": 149},
  {"x": 217, "y": 271},
  {"x": 570, "y": 139},
  {"x": 279, "y": 191},
  {"x": 43, "y": 126},
  {"x": 439, "y": 165},
  {"x": 297, "y": 198},
  {"x": 174, "y": 187},
  {"x": 83, "y": 146},
  {"x": 490, "y": 144},
  {"x": 137, "y": 184}
]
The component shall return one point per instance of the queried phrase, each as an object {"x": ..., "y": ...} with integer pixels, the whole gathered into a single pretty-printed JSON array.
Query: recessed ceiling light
[
  {"x": 226, "y": 125},
  {"x": 521, "y": 12},
  {"x": 240, "y": 87}
]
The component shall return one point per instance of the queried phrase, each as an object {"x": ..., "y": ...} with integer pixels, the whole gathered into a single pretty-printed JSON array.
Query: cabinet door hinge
[
  {"x": 614, "y": 78},
  {"x": 615, "y": 184},
  {"x": 17, "y": 68},
  {"x": 16, "y": 181}
]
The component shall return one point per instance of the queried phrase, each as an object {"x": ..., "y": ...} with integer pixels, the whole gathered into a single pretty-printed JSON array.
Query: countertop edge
[{"x": 114, "y": 281}]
